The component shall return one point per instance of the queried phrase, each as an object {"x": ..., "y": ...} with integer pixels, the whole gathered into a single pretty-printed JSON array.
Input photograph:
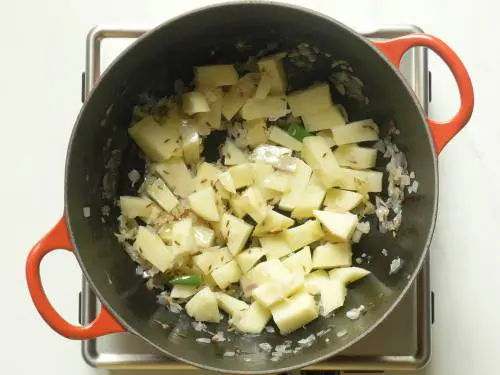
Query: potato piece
[
  {"x": 162, "y": 195},
  {"x": 249, "y": 258},
  {"x": 237, "y": 207},
  {"x": 341, "y": 200},
  {"x": 314, "y": 280},
  {"x": 152, "y": 248},
  {"x": 194, "y": 102},
  {"x": 183, "y": 291},
  {"x": 241, "y": 175},
  {"x": 183, "y": 236},
  {"x": 264, "y": 87},
  {"x": 207, "y": 175},
  {"x": 177, "y": 176},
  {"x": 261, "y": 171},
  {"x": 254, "y": 319},
  {"x": 298, "y": 185},
  {"x": 203, "y": 306},
  {"x": 327, "y": 118},
  {"x": 355, "y": 132},
  {"x": 158, "y": 141},
  {"x": 191, "y": 143},
  {"x": 312, "y": 199},
  {"x": 227, "y": 182},
  {"x": 204, "y": 236},
  {"x": 302, "y": 235},
  {"x": 273, "y": 67},
  {"x": 239, "y": 94},
  {"x": 226, "y": 274},
  {"x": 204, "y": 204},
  {"x": 311, "y": 100},
  {"x": 211, "y": 259},
  {"x": 362, "y": 181},
  {"x": 320, "y": 158},
  {"x": 340, "y": 225},
  {"x": 276, "y": 291},
  {"x": 281, "y": 137},
  {"x": 278, "y": 181},
  {"x": 275, "y": 246},
  {"x": 356, "y": 157},
  {"x": 235, "y": 231},
  {"x": 299, "y": 263},
  {"x": 294, "y": 312},
  {"x": 215, "y": 75},
  {"x": 214, "y": 97},
  {"x": 142, "y": 207},
  {"x": 327, "y": 137},
  {"x": 254, "y": 204},
  {"x": 270, "y": 107},
  {"x": 274, "y": 222},
  {"x": 256, "y": 132},
  {"x": 333, "y": 294},
  {"x": 233, "y": 155},
  {"x": 267, "y": 272},
  {"x": 348, "y": 275},
  {"x": 231, "y": 305},
  {"x": 332, "y": 255}
]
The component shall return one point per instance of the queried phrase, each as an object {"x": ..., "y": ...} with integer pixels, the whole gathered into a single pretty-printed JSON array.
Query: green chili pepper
[
  {"x": 298, "y": 132},
  {"x": 186, "y": 280}
]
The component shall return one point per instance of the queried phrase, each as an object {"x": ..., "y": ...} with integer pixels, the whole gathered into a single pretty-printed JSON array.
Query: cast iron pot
[{"x": 100, "y": 154}]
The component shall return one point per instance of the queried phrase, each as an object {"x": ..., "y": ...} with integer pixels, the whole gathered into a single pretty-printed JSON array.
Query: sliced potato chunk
[
  {"x": 261, "y": 171},
  {"x": 254, "y": 204},
  {"x": 177, "y": 176},
  {"x": 142, "y": 207},
  {"x": 233, "y": 155},
  {"x": 183, "y": 236},
  {"x": 264, "y": 87},
  {"x": 211, "y": 259},
  {"x": 162, "y": 195},
  {"x": 276, "y": 291},
  {"x": 333, "y": 293},
  {"x": 191, "y": 143},
  {"x": 203, "y": 306},
  {"x": 239, "y": 94},
  {"x": 279, "y": 181},
  {"x": 340, "y": 225},
  {"x": 356, "y": 157},
  {"x": 212, "y": 119},
  {"x": 332, "y": 255},
  {"x": 362, "y": 181},
  {"x": 348, "y": 275},
  {"x": 235, "y": 231},
  {"x": 274, "y": 222},
  {"x": 327, "y": 118},
  {"x": 281, "y": 137},
  {"x": 314, "y": 280},
  {"x": 204, "y": 236},
  {"x": 354, "y": 132},
  {"x": 298, "y": 185},
  {"x": 270, "y": 107},
  {"x": 342, "y": 200},
  {"x": 227, "y": 182},
  {"x": 231, "y": 305},
  {"x": 294, "y": 312},
  {"x": 318, "y": 155},
  {"x": 256, "y": 132},
  {"x": 249, "y": 258},
  {"x": 215, "y": 75},
  {"x": 241, "y": 175},
  {"x": 183, "y": 291},
  {"x": 275, "y": 246},
  {"x": 303, "y": 235},
  {"x": 312, "y": 199},
  {"x": 254, "y": 319},
  {"x": 206, "y": 176},
  {"x": 300, "y": 262},
  {"x": 226, "y": 274},
  {"x": 272, "y": 66},
  {"x": 152, "y": 248},
  {"x": 311, "y": 100},
  {"x": 204, "y": 204},
  {"x": 194, "y": 102}
]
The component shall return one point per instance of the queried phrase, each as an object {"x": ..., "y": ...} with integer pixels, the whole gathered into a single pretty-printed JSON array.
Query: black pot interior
[{"x": 100, "y": 156}]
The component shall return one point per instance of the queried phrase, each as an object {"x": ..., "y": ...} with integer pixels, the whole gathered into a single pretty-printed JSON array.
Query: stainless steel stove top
[{"x": 401, "y": 342}]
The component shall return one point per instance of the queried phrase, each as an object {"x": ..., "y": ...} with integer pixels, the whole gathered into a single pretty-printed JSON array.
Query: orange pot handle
[
  {"x": 442, "y": 132},
  {"x": 56, "y": 239}
]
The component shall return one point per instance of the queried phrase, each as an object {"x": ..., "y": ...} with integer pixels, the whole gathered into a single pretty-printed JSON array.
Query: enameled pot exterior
[{"x": 99, "y": 151}]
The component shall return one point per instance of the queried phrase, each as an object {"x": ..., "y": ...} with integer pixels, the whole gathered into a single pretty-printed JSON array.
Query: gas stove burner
[{"x": 400, "y": 343}]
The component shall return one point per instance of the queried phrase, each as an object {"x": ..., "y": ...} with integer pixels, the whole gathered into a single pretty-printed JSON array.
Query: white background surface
[{"x": 41, "y": 62}]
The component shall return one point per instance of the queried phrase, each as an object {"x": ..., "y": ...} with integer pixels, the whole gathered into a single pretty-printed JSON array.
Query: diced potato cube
[
  {"x": 194, "y": 102},
  {"x": 191, "y": 143},
  {"x": 227, "y": 182},
  {"x": 203, "y": 306},
  {"x": 273, "y": 67},
  {"x": 267, "y": 272},
  {"x": 254, "y": 204},
  {"x": 264, "y": 87},
  {"x": 327, "y": 136},
  {"x": 204, "y": 204},
  {"x": 312, "y": 199},
  {"x": 340, "y": 225},
  {"x": 320, "y": 158},
  {"x": 183, "y": 236},
  {"x": 348, "y": 275},
  {"x": 211, "y": 259},
  {"x": 249, "y": 258},
  {"x": 303, "y": 235},
  {"x": 314, "y": 281},
  {"x": 215, "y": 75},
  {"x": 158, "y": 141},
  {"x": 162, "y": 195},
  {"x": 333, "y": 294},
  {"x": 332, "y": 255},
  {"x": 298, "y": 185},
  {"x": 278, "y": 181},
  {"x": 241, "y": 175},
  {"x": 233, "y": 155},
  {"x": 177, "y": 176},
  {"x": 212, "y": 119},
  {"x": 207, "y": 175},
  {"x": 325, "y": 119},
  {"x": 275, "y": 246},
  {"x": 204, "y": 236},
  {"x": 237, "y": 206},
  {"x": 354, "y": 132},
  {"x": 142, "y": 207},
  {"x": 270, "y": 107},
  {"x": 239, "y": 94},
  {"x": 362, "y": 181},
  {"x": 342, "y": 200},
  {"x": 226, "y": 274},
  {"x": 231, "y": 305},
  {"x": 152, "y": 248},
  {"x": 254, "y": 319},
  {"x": 235, "y": 231},
  {"x": 261, "y": 171},
  {"x": 274, "y": 222},
  {"x": 183, "y": 291},
  {"x": 294, "y": 312},
  {"x": 356, "y": 157},
  {"x": 281, "y": 137},
  {"x": 311, "y": 100},
  {"x": 300, "y": 262},
  {"x": 256, "y": 132},
  {"x": 275, "y": 291}
]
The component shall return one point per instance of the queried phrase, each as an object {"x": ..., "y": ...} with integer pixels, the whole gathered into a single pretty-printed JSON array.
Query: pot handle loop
[
  {"x": 442, "y": 132},
  {"x": 58, "y": 238}
]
